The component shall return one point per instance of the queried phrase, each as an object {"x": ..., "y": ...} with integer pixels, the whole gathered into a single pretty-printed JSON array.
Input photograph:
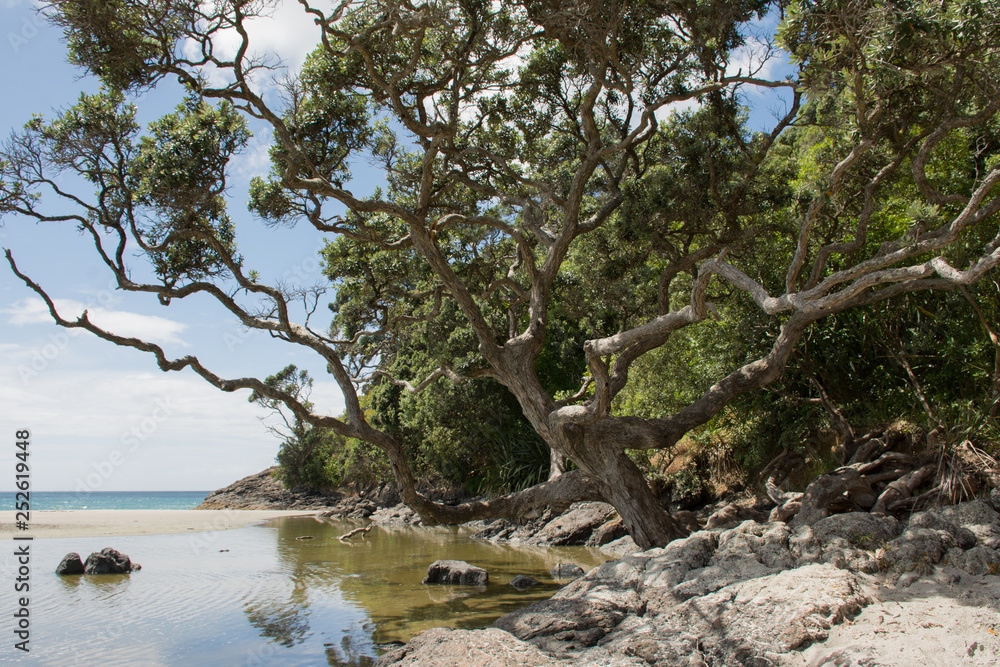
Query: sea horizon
[{"x": 107, "y": 500}]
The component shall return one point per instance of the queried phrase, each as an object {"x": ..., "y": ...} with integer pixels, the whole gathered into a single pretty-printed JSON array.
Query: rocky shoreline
[
  {"x": 745, "y": 588},
  {"x": 849, "y": 589}
]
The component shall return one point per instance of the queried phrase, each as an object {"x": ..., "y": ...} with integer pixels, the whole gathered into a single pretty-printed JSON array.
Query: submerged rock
[
  {"x": 70, "y": 564},
  {"x": 523, "y": 582},
  {"x": 456, "y": 572},
  {"x": 566, "y": 571}
]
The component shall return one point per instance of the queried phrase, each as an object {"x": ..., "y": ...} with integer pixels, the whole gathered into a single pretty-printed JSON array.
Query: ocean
[{"x": 108, "y": 500}]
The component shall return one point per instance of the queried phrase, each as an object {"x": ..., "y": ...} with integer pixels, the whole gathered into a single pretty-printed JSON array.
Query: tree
[{"x": 534, "y": 171}]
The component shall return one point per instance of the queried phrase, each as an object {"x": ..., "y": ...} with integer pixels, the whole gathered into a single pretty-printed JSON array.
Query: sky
[{"x": 104, "y": 418}]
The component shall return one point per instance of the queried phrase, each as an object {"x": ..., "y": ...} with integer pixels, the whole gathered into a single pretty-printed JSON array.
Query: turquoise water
[
  {"x": 109, "y": 500},
  {"x": 264, "y": 595}
]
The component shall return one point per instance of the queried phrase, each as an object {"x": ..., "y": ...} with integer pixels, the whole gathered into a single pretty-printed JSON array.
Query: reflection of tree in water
[
  {"x": 286, "y": 622},
  {"x": 351, "y": 653},
  {"x": 295, "y": 598},
  {"x": 352, "y": 596}
]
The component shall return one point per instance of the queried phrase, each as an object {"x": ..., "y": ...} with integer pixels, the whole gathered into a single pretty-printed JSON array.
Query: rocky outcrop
[
  {"x": 70, "y": 564},
  {"x": 263, "y": 491},
  {"x": 762, "y": 593},
  {"x": 444, "y": 647},
  {"x": 456, "y": 572},
  {"x": 109, "y": 561}
]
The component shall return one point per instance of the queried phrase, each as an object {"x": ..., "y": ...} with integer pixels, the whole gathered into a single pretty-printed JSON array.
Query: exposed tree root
[{"x": 883, "y": 481}]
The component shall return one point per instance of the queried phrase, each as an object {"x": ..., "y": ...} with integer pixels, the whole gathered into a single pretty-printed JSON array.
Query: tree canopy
[{"x": 549, "y": 217}]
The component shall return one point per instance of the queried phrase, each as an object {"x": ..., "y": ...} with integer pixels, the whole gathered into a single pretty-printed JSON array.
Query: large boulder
[
  {"x": 445, "y": 647},
  {"x": 573, "y": 527},
  {"x": 108, "y": 561},
  {"x": 976, "y": 516},
  {"x": 456, "y": 572},
  {"x": 580, "y": 614},
  {"x": 70, "y": 564}
]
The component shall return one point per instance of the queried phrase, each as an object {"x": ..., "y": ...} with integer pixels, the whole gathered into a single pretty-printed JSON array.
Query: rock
[
  {"x": 964, "y": 537},
  {"x": 979, "y": 560},
  {"x": 566, "y": 571},
  {"x": 581, "y": 613},
  {"x": 395, "y": 517},
  {"x": 523, "y": 582},
  {"x": 732, "y": 514},
  {"x": 573, "y": 527},
  {"x": 445, "y": 647},
  {"x": 109, "y": 561},
  {"x": 657, "y": 576},
  {"x": 623, "y": 546},
  {"x": 917, "y": 549},
  {"x": 264, "y": 491},
  {"x": 846, "y": 540},
  {"x": 70, "y": 564},
  {"x": 608, "y": 532},
  {"x": 976, "y": 516},
  {"x": 456, "y": 572},
  {"x": 754, "y": 594},
  {"x": 493, "y": 531},
  {"x": 743, "y": 623}
]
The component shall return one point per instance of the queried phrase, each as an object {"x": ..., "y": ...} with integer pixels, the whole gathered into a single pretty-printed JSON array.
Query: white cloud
[
  {"x": 255, "y": 160},
  {"x": 284, "y": 34},
  {"x": 123, "y": 323},
  {"x": 132, "y": 430}
]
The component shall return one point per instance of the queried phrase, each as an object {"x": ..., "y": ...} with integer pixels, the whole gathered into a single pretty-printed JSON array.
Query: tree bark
[
  {"x": 646, "y": 520},
  {"x": 623, "y": 485},
  {"x": 557, "y": 463}
]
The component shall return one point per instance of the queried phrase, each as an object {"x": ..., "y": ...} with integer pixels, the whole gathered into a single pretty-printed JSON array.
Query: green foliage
[
  {"x": 516, "y": 459},
  {"x": 304, "y": 460},
  {"x": 119, "y": 40},
  {"x": 539, "y": 194}
]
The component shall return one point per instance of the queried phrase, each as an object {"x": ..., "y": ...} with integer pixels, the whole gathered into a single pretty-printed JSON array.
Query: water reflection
[
  {"x": 259, "y": 596},
  {"x": 380, "y": 578}
]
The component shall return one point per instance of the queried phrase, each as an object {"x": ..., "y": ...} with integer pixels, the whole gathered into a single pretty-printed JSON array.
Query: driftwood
[{"x": 362, "y": 530}]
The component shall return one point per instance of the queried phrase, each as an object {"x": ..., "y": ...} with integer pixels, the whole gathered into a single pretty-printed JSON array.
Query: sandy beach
[{"x": 87, "y": 523}]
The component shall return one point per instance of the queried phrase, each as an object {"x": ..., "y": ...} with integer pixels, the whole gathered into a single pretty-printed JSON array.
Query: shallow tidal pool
[{"x": 287, "y": 592}]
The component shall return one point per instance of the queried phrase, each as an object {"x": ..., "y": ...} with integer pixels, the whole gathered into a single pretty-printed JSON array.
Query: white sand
[
  {"x": 96, "y": 523},
  {"x": 947, "y": 619}
]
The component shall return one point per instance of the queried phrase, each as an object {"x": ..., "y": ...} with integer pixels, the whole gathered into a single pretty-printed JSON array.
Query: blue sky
[{"x": 104, "y": 418}]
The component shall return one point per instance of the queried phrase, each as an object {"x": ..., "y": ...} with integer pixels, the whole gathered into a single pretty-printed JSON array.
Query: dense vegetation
[{"x": 579, "y": 231}]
